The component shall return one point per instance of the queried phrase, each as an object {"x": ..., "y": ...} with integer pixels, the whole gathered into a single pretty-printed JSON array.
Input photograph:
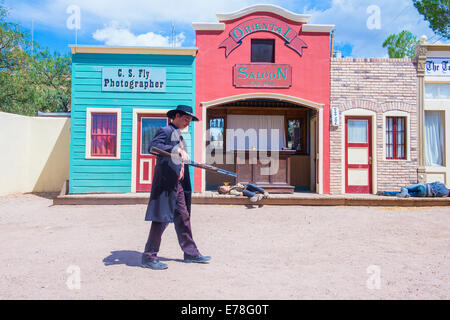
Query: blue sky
[{"x": 360, "y": 25}]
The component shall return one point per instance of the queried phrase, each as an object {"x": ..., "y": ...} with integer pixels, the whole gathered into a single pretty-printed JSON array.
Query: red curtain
[{"x": 104, "y": 134}]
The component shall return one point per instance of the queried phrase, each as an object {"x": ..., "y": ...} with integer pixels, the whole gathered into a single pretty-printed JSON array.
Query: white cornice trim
[
  {"x": 208, "y": 26},
  {"x": 437, "y": 46},
  {"x": 327, "y": 28},
  {"x": 264, "y": 8}
]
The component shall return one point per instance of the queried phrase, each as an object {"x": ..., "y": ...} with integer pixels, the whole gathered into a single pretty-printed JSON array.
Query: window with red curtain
[
  {"x": 396, "y": 138},
  {"x": 104, "y": 135}
]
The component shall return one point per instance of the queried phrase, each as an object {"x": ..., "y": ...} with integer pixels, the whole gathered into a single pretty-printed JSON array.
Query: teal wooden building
[{"x": 120, "y": 97}]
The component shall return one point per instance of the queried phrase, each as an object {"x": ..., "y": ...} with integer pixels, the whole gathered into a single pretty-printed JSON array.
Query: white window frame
[
  {"x": 89, "y": 112},
  {"x": 396, "y": 113}
]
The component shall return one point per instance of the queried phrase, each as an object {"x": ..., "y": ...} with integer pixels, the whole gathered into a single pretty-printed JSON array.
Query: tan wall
[
  {"x": 378, "y": 86},
  {"x": 34, "y": 153}
]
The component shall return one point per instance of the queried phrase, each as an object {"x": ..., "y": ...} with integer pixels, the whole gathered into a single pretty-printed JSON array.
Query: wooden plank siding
[{"x": 115, "y": 176}]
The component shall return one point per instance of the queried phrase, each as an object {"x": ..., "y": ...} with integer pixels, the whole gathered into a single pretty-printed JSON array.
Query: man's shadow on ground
[{"x": 129, "y": 258}]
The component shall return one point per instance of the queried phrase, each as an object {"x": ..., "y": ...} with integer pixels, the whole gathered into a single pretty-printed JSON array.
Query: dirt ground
[{"x": 93, "y": 252}]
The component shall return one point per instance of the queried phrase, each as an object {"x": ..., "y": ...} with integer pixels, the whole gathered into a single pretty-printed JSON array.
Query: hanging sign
[
  {"x": 262, "y": 76},
  {"x": 272, "y": 25},
  {"x": 134, "y": 79},
  {"x": 335, "y": 116}
]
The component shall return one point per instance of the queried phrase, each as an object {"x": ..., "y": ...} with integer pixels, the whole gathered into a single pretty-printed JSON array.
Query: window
[
  {"x": 263, "y": 50},
  {"x": 437, "y": 90},
  {"x": 149, "y": 127},
  {"x": 216, "y": 132},
  {"x": 434, "y": 138},
  {"x": 358, "y": 131},
  {"x": 103, "y": 133},
  {"x": 296, "y": 132},
  {"x": 396, "y": 138}
]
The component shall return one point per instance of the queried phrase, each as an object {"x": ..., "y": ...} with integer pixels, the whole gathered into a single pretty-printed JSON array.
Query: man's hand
[{"x": 183, "y": 154}]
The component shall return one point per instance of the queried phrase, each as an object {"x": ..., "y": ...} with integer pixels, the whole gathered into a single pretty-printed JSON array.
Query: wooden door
[
  {"x": 358, "y": 155},
  {"x": 147, "y": 127}
]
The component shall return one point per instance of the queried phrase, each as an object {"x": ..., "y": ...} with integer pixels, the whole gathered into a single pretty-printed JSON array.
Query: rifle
[{"x": 160, "y": 152}]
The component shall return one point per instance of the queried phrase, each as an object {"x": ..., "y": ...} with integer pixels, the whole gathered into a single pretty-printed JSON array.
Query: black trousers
[{"x": 182, "y": 222}]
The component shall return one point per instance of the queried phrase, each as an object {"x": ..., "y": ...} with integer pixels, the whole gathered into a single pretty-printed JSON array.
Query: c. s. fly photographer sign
[{"x": 134, "y": 79}]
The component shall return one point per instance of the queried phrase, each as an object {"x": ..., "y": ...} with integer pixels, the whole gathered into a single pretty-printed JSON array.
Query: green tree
[
  {"x": 14, "y": 93},
  {"x": 30, "y": 82},
  {"x": 401, "y": 45},
  {"x": 50, "y": 75},
  {"x": 437, "y": 13}
]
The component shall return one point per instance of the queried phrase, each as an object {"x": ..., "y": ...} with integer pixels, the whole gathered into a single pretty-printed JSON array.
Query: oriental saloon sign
[
  {"x": 262, "y": 76},
  {"x": 134, "y": 79},
  {"x": 272, "y": 25}
]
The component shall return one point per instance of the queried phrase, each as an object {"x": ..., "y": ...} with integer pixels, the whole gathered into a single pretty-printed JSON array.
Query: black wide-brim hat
[{"x": 183, "y": 110}]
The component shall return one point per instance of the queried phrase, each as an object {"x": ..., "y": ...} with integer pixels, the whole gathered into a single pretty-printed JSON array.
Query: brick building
[{"x": 382, "y": 93}]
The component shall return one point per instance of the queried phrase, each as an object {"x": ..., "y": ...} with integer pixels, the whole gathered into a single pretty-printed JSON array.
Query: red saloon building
[{"x": 263, "y": 90}]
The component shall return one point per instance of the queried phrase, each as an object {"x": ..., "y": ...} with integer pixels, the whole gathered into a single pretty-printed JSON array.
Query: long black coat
[{"x": 162, "y": 204}]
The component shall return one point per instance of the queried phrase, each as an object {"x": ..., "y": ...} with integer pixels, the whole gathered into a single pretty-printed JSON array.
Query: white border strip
[
  {"x": 320, "y": 143},
  {"x": 150, "y": 175},
  {"x": 264, "y": 95}
]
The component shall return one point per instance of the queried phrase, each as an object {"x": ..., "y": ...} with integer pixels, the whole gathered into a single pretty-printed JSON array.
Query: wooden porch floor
[{"x": 296, "y": 199}]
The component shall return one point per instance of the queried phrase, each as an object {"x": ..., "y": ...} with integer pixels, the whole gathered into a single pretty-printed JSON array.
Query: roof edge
[
  {"x": 133, "y": 50},
  {"x": 264, "y": 8},
  {"x": 208, "y": 26},
  {"x": 325, "y": 28},
  {"x": 437, "y": 46}
]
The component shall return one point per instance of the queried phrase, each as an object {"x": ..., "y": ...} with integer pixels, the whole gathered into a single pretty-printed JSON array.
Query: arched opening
[{"x": 239, "y": 123}]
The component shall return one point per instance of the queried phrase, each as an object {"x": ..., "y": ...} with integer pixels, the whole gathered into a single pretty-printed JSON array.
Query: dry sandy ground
[{"x": 260, "y": 253}]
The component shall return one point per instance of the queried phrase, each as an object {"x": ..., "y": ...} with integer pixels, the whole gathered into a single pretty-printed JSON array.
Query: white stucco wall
[{"x": 34, "y": 153}]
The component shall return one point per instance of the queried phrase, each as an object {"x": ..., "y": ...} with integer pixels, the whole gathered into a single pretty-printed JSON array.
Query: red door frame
[
  {"x": 139, "y": 156},
  {"x": 368, "y": 145}
]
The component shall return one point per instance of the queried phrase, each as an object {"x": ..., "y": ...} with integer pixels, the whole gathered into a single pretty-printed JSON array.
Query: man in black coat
[{"x": 170, "y": 198}]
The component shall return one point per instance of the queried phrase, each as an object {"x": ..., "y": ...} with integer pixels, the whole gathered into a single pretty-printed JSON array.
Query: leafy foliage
[
  {"x": 51, "y": 77},
  {"x": 30, "y": 81},
  {"x": 437, "y": 13},
  {"x": 401, "y": 45}
]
